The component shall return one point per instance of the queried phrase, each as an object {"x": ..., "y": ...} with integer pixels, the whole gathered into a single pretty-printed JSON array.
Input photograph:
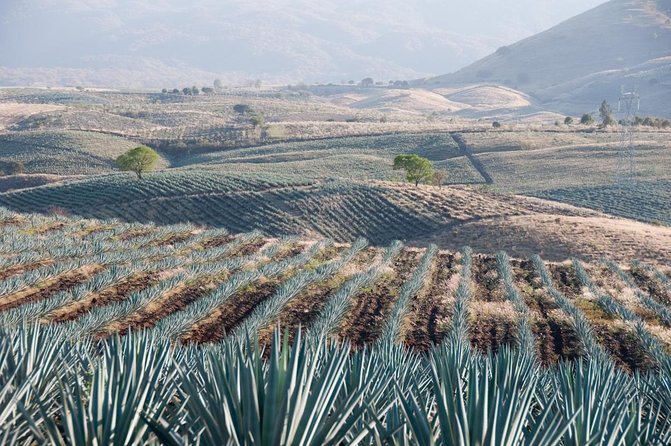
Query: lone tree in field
[
  {"x": 587, "y": 119},
  {"x": 416, "y": 168},
  {"x": 568, "y": 120},
  {"x": 606, "y": 114},
  {"x": 138, "y": 160}
]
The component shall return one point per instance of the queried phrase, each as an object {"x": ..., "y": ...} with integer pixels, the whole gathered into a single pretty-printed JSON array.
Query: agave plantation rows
[{"x": 101, "y": 342}]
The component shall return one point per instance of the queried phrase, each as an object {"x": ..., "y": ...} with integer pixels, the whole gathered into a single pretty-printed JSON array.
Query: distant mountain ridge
[
  {"x": 576, "y": 64},
  {"x": 161, "y": 43}
]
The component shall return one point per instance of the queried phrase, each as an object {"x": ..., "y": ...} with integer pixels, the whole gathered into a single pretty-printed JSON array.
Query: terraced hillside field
[
  {"x": 282, "y": 205},
  {"x": 202, "y": 286}
]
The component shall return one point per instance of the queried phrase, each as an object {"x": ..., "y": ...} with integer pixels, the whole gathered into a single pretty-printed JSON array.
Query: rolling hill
[
  {"x": 345, "y": 210},
  {"x": 573, "y": 66}
]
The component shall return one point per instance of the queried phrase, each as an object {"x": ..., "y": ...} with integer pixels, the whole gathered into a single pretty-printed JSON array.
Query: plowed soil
[
  {"x": 652, "y": 286},
  {"x": 430, "y": 311},
  {"x": 556, "y": 339},
  {"x": 370, "y": 307},
  {"x": 487, "y": 286},
  {"x": 226, "y": 318},
  {"x": 488, "y": 331},
  {"x": 113, "y": 294},
  {"x": 48, "y": 287}
]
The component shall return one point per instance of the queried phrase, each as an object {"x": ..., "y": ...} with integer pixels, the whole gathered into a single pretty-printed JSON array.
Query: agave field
[
  {"x": 123, "y": 333},
  {"x": 278, "y": 204},
  {"x": 63, "y": 152},
  {"x": 641, "y": 200}
]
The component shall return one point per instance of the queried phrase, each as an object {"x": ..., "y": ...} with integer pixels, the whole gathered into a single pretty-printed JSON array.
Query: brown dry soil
[
  {"x": 302, "y": 309},
  {"x": 218, "y": 242},
  {"x": 105, "y": 297},
  {"x": 565, "y": 279},
  {"x": 20, "y": 269},
  {"x": 486, "y": 283},
  {"x": 555, "y": 337},
  {"x": 173, "y": 301},
  {"x": 370, "y": 307},
  {"x": 171, "y": 239},
  {"x": 49, "y": 287},
  {"x": 227, "y": 317},
  {"x": 429, "y": 312},
  {"x": 489, "y": 332}
]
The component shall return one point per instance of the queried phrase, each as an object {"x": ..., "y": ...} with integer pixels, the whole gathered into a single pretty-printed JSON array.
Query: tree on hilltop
[
  {"x": 568, "y": 120},
  {"x": 416, "y": 168},
  {"x": 138, "y": 160}
]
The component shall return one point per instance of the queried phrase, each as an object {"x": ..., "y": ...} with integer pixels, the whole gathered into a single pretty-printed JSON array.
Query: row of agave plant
[{"x": 141, "y": 389}]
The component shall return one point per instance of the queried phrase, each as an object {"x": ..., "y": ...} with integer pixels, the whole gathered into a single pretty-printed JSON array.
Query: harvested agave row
[
  {"x": 340, "y": 301},
  {"x": 579, "y": 321},
  {"x": 458, "y": 333},
  {"x": 391, "y": 333},
  {"x": 526, "y": 339},
  {"x": 661, "y": 311},
  {"x": 178, "y": 323},
  {"x": 269, "y": 309},
  {"x": 651, "y": 345}
]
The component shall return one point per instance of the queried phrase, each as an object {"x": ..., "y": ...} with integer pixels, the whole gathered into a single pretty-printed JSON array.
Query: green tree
[
  {"x": 138, "y": 160},
  {"x": 258, "y": 120},
  {"x": 416, "y": 168},
  {"x": 496, "y": 124},
  {"x": 195, "y": 90},
  {"x": 568, "y": 120},
  {"x": 218, "y": 85},
  {"x": 606, "y": 113},
  {"x": 587, "y": 119},
  {"x": 186, "y": 90},
  {"x": 242, "y": 109}
]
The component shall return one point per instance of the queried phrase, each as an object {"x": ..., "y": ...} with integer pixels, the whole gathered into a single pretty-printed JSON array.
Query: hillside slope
[
  {"x": 345, "y": 210},
  {"x": 576, "y": 64}
]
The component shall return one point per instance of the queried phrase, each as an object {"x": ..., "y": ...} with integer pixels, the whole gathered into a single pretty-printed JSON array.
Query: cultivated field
[
  {"x": 285, "y": 205},
  {"x": 171, "y": 288}
]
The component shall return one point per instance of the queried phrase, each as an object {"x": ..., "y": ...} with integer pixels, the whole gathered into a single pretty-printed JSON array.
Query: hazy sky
[{"x": 301, "y": 39}]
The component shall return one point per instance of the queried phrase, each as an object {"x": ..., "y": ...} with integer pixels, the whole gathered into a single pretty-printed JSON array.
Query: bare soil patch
[
  {"x": 430, "y": 311},
  {"x": 227, "y": 317},
  {"x": 116, "y": 293},
  {"x": 371, "y": 306},
  {"x": 48, "y": 287},
  {"x": 556, "y": 339}
]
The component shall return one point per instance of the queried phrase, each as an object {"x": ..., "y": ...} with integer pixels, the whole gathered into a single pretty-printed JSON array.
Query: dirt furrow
[
  {"x": 429, "y": 313},
  {"x": 371, "y": 306},
  {"x": 48, "y": 287},
  {"x": 107, "y": 296},
  {"x": 556, "y": 338}
]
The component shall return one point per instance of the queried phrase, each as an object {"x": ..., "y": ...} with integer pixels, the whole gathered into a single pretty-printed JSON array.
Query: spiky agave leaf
[
  {"x": 297, "y": 398},
  {"x": 132, "y": 377}
]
